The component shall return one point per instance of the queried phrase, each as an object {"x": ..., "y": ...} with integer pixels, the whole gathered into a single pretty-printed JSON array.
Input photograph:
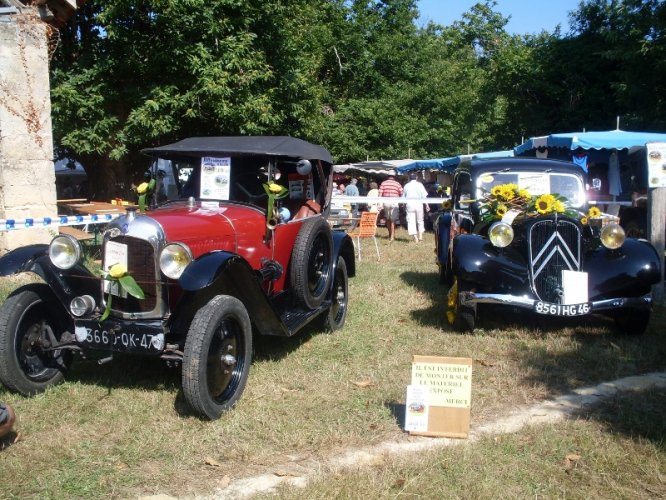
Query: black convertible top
[{"x": 281, "y": 146}]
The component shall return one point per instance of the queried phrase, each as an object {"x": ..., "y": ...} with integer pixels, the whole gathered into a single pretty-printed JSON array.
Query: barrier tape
[
  {"x": 57, "y": 221},
  {"x": 78, "y": 220}
]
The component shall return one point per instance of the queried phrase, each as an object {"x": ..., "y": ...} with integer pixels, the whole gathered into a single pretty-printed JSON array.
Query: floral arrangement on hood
[
  {"x": 503, "y": 198},
  {"x": 118, "y": 276}
]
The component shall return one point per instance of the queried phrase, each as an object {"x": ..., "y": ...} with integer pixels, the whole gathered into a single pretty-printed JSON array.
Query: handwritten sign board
[
  {"x": 446, "y": 404},
  {"x": 656, "y": 164}
]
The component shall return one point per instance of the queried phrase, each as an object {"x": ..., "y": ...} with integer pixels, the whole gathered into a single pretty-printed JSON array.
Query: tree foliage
[{"x": 358, "y": 76}]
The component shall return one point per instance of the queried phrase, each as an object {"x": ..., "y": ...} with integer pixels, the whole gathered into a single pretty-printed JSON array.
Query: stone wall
[{"x": 27, "y": 178}]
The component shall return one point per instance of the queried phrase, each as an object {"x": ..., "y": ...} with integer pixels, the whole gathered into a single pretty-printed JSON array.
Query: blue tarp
[
  {"x": 612, "y": 139},
  {"x": 450, "y": 163}
]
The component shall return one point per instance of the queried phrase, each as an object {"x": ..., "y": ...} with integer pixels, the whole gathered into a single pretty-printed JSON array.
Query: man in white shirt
[{"x": 414, "y": 189}]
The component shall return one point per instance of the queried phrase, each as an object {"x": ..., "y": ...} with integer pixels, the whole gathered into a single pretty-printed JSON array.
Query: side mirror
[{"x": 304, "y": 167}]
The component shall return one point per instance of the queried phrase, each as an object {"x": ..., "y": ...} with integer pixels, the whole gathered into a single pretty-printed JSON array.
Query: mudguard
[
  {"x": 65, "y": 284},
  {"x": 343, "y": 246}
]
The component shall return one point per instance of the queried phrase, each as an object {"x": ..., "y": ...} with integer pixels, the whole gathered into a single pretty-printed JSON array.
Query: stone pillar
[{"x": 27, "y": 178}]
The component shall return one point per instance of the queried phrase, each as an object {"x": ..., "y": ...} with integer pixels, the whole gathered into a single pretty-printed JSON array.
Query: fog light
[
  {"x": 500, "y": 234},
  {"x": 612, "y": 236},
  {"x": 80, "y": 306},
  {"x": 64, "y": 251}
]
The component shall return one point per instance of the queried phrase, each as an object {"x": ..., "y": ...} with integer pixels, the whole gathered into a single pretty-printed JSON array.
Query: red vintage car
[{"x": 241, "y": 244}]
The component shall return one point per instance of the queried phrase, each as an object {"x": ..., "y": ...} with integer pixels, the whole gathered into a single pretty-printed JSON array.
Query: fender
[
  {"x": 343, "y": 246},
  {"x": 65, "y": 284},
  {"x": 221, "y": 272},
  {"x": 478, "y": 262},
  {"x": 629, "y": 271}
]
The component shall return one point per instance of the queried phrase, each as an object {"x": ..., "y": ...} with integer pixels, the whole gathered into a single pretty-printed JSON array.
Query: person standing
[
  {"x": 352, "y": 190},
  {"x": 373, "y": 206},
  {"x": 391, "y": 188},
  {"x": 415, "y": 189}
]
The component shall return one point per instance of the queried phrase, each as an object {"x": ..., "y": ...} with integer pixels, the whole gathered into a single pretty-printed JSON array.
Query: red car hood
[{"x": 215, "y": 226}]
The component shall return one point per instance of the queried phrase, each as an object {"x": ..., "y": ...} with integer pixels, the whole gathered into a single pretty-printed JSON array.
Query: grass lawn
[{"x": 123, "y": 429}]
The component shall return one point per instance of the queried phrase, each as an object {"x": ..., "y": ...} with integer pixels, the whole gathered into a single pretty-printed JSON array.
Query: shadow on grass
[{"x": 638, "y": 415}]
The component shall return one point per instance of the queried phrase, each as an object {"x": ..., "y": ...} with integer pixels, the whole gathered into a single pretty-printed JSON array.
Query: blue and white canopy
[{"x": 611, "y": 139}]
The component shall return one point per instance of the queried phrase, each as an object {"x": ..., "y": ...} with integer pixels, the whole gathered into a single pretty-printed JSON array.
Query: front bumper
[{"x": 596, "y": 306}]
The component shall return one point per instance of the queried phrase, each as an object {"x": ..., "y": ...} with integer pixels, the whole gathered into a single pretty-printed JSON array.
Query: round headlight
[
  {"x": 612, "y": 236},
  {"x": 500, "y": 234},
  {"x": 174, "y": 259},
  {"x": 64, "y": 251}
]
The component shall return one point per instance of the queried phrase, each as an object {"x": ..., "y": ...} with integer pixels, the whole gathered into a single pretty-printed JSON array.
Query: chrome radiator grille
[
  {"x": 554, "y": 246},
  {"x": 141, "y": 266}
]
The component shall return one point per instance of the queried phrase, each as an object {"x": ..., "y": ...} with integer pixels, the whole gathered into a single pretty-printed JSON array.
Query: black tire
[
  {"x": 632, "y": 321},
  {"x": 25, "y": 318},
  {"x": 218, "y": 352},
  {"x": 311, "y": 262},
  {"x": 461, "y": 318},
  {"x": 334, "y": 317}
]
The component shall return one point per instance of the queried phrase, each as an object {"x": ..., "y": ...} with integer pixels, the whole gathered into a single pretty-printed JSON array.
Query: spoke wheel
[
  {"x": 28, "y": 319},
  {"x": 334, "y": 318},
  {"x": 311, "y": 262},
  {"x": 216, "y": 361}
]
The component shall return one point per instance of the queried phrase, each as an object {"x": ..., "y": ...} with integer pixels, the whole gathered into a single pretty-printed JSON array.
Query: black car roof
[
  {"x": 279, "y": 146},
  {"x": 521, "y": 163}
]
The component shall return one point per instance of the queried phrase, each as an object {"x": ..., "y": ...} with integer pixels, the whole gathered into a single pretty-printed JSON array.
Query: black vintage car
[
  {"x": 520, "y": 234},
  {"x": 241, "y": 246}
]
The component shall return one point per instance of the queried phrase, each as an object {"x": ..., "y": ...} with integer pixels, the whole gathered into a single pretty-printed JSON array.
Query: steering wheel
[{"x": 251, "y": 186}]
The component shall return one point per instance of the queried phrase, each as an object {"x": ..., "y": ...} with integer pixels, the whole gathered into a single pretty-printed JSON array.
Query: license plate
[
  {"x": 112, "y": 340},
  {"x": 562, "y": 309}
]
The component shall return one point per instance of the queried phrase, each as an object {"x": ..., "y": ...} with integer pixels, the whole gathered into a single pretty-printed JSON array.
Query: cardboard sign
[{"x": 447, "y": 402}]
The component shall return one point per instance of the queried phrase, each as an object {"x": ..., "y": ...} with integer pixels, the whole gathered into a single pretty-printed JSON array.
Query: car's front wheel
[
  {"x": 632, "y": 321},
  {"x": 334, "y": 318},
  {"x": 30, "y": 321},
  {"x": 217, "y": 356},
  {"x": 461, "y": 317}
]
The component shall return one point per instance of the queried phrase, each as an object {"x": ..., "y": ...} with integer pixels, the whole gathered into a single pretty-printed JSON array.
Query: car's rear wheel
[
  {"x": 461, "y": 317},
  {"x": 334, "y": 318},
  {"x": 311, "y": 262},
  {"x": 632, "y": 321},
  {"x": 217, "y": 356},
  {"x": 29, "y": 321}
]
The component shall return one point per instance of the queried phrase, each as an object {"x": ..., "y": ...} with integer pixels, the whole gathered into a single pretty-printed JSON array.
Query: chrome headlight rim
[
  {"x": 174, "y": 258},
  {"x": 612, "y": 236},
  {"x": 501, "y": 234},
  {"x": 67, "y": 246}
]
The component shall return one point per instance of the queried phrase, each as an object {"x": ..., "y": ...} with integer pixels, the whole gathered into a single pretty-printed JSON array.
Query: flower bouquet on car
[{"x": 509, "y": 199}]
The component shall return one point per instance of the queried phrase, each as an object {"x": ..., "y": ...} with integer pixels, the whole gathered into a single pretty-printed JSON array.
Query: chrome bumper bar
[{"x": 468, "y": 298}]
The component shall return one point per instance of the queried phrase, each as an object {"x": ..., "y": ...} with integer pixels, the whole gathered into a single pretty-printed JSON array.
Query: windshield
[{"x": 537, "y": 183}]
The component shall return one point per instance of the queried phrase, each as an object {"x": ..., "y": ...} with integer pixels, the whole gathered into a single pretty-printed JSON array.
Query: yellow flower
[
  {"x": 583, "y": 221},
  {"x": 501, "y": 210},
  {"x": 507, "y": 192},
  {"x": 594, "y": 213},
  {"x": 142, "y": 188},
  {"x": 274, "y": 188},
  {"x": 117, "y": 271},
  {"x": 524, "y": 194},
  {"x": 559, "y": 206},
  {"x": 496, "y": 190},
  {"x": 544, "y": 204},
  {"x": 446, "y": 205}
]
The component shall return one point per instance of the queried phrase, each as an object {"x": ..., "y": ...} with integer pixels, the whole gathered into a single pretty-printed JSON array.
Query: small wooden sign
[{"x": 444, "y": 408}]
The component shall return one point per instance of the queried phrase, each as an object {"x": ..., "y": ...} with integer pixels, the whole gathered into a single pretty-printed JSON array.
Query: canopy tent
[
  {"x": 611, "y": 139},
  {"x": 380, "y": 167},
  {"x": 449, "y": 164}
]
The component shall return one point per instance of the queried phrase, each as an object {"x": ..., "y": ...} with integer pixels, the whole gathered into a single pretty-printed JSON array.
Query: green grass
[{"x": 123, "y": 428}]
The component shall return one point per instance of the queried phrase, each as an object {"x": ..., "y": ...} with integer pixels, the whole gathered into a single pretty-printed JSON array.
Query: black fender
[
  {"x": 224, "y": 273},
  {"x": 487, "y": 268},
  {"x": 343, "y": 246},
  {"x": 65, "y": 284},
  {"x": 629, "y": 271},
  {"x": 442, "y": 237}
]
